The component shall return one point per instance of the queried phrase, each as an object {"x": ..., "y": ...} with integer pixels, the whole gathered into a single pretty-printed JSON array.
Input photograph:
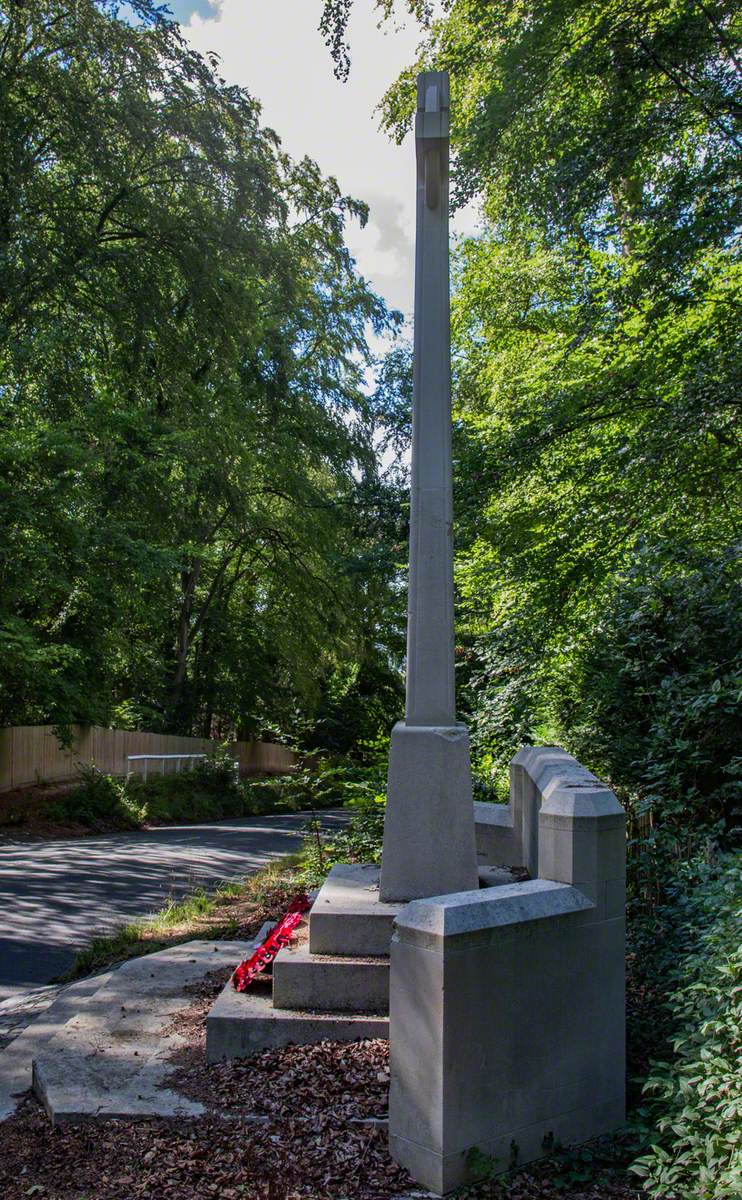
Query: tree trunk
[{"x": 188, "y": 581}]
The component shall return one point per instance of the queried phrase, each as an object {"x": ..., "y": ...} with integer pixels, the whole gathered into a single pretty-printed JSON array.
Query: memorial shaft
[
  {"x": 430, "y": 624},
  {"x": 429, "y": 845}
]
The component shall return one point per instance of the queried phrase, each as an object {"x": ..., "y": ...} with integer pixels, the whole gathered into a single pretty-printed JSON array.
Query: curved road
[{"x": 54, "y": 895}]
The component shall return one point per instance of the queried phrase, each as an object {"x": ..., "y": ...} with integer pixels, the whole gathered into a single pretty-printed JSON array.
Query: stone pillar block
[
  {"x": 429, "y": 845},
  {"x": 534, "y": 772},
  {"x": 506, "y": 1027},
  {"x": 582, "y": 841}
]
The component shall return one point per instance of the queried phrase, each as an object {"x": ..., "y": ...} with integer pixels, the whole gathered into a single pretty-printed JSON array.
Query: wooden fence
[{"x": 32, "y": 754}]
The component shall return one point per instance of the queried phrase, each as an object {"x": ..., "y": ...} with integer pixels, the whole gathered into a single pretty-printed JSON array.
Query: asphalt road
[{"x": 54, "y": 895}]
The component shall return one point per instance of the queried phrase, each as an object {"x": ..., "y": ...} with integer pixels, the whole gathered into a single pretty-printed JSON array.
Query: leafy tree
[
  {"x": 182, "y": 356},
  {"x": 596, "y": 334}
]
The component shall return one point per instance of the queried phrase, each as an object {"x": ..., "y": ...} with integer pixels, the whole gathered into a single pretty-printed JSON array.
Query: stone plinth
[
  {"x": 334, "y": 986},
  {"x": 429, "y": 844}
]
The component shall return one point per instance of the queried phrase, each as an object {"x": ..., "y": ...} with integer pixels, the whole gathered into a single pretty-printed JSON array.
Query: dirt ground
[{"x": 24, "y": 814}]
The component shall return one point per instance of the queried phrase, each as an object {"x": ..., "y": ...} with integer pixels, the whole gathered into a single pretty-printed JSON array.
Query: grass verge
[{"x": 233, "y": 910}]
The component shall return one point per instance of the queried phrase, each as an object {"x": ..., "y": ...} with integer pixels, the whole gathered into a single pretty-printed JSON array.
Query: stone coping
[
  {"x": 486, "y": 813},
  {"x": 470, "y": 914}
]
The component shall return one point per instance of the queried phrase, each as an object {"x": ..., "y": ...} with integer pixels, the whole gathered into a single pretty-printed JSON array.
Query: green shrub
[
  {"x": 651, "y": 698},
  {"x": 100, "y": 801},
  {"x": 692, "y": 1111},
  {"x": 329, "y": 784},
  {"x": 359, "y": 842}
]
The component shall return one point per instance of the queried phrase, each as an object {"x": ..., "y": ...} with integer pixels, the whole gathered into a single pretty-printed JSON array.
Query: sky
[{"x": 274, "y": 49}]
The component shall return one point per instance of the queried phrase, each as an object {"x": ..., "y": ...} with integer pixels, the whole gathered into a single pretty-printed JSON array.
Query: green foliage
[
  {"x": 596, "y": 338},
  {"x": 359, "y": 842},
  {"x": 208, "y": 792},
  {"x": 360, "y": 703},
  {"x": 211, "y": 791},
  {"x": 692, "y": 1112},
  {"x": 651, "y": 693},
  {"x": 189, "y": 489},
  {"x": 328, "y": 783}
]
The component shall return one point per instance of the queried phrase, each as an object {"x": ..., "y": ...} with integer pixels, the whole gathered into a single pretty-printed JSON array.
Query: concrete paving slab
[
  {"x": 16, "y": 1060},
  {"x": 112, "y": 1057}
]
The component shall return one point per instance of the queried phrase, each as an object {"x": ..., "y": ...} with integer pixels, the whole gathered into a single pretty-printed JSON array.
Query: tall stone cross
[{"x": 429, "y": 826}]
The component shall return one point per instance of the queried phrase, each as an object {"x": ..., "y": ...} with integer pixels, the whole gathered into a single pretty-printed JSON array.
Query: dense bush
[
  {"x": 651, "y": 697},
  {"x": 327, "y": 784},
  {"x": 100, "y": 801},
  {"x": 692, "y": 1112},
  {"x": 210, "y": 791}
]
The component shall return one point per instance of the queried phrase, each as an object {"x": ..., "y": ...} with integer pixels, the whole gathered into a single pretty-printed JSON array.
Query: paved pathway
[{"x": 53, "y": 895}]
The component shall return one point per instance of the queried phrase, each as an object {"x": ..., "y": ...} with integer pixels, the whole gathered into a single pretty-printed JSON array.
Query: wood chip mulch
[{"x": 328, "y": 1083}]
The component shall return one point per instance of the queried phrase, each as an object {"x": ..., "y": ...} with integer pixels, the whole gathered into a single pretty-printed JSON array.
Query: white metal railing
[{"x": 163, "y": 758}]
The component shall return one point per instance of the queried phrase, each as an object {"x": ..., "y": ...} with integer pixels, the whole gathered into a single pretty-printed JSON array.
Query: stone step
[
  {"x": 243, "y": 1023},
  {"x": 305, "y": 981},
  {"x": 348, "y": 918}
]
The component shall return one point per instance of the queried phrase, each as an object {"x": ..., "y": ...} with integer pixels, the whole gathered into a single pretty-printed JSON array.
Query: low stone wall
[{"x": 507, "y": 1004}]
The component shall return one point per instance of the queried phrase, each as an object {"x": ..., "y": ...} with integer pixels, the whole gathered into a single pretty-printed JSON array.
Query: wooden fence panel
[{"x": 32, "y": 754}]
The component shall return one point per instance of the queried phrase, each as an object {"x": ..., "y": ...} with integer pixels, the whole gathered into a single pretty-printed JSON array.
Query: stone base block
[
  {"x": 429, "y": 845},
  {"x": 242, "y": 1023},
  {"x": 507, "y": 1028},
  {"x": 302, "y": 980},
  {"x": 443, "y": 1173},
  {"x": 348, "y": 917}
]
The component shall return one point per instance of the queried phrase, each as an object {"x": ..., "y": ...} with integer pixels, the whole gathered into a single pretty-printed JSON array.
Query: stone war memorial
[{"x": 489, "y": 947}]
